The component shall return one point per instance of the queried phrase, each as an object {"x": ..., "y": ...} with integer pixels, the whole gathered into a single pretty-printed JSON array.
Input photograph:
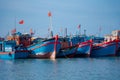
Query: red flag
[
  {"x": 49, "y": 14},
  {"x": 21, "y": 22},
  {"x": 79, "y": 26},
  {"x": 13, "y": 31}
]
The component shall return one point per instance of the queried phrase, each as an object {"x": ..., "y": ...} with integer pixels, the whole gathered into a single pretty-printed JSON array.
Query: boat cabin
[
  {"x": 113, "y": 36},
  {"x": 7, "y": 46},
  {"x": 24, "y": 39}
]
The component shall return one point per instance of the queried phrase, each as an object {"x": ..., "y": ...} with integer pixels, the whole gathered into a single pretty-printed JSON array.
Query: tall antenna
[
  {"x": 79, "y": 26},
  {"x": 65, "y": 34},
  {"x": 100, "y": 31},
  {"x": 84, "y": 32}
]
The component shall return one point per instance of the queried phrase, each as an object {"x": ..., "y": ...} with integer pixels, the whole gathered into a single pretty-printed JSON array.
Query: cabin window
[{"x": 8, "y": 48}]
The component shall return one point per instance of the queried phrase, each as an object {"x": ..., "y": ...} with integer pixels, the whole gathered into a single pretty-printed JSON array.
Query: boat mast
[
  {"x": 50, "y": 24},
  {"x": 79, "y": 32}
]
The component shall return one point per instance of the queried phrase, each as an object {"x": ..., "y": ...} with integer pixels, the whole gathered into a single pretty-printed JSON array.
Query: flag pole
[
  {"x": 50, "y": 24},
  {"x": 51, "y": 31},
  {"x": 15, "y": 22}
]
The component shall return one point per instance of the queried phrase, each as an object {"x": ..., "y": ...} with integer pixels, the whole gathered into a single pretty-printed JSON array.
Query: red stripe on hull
[{"x": 6, "y": 52}]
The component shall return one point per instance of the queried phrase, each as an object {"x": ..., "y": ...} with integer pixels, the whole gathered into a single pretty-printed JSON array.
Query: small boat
[
  {"x": 9, "y": 50},
  {"x": 84, "y": 49},
  {"x": 45, "y": 49},
  {"x": 104, "y": 49},
  {"x": 68, "y": 52}
]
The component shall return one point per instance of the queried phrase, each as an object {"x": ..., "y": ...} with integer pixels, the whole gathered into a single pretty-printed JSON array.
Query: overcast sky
[{"x": 91, "y": 14}]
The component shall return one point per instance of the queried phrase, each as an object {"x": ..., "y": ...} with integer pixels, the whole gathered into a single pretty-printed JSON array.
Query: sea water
[{"x": 107, "y": 68}]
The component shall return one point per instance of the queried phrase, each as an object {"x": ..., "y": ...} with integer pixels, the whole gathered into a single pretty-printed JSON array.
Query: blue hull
[
  {"x": 118, "y": 49},
  {"x": 84, "y": 49},
  {"x": 21, "y": 54},
  {"x": 44, "y": 49},
  {"x": 106, "y": 49},
  {"x": 67, "y": 53},
  {"x": 7, "y": 55},
  {"x": 14, "y": 55}
]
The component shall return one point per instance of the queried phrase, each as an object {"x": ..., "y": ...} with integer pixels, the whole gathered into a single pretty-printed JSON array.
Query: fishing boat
[
  {"x": 104, "y": 49},
  {"x": 77, "y": 46},
  {"x": 45, "y": 49},
  {"x": 114, "y": 36},
  {"x": 9, "y": 50},
  {"x": 84, "y": 49},
  {"x": 66, "y": 50}
]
